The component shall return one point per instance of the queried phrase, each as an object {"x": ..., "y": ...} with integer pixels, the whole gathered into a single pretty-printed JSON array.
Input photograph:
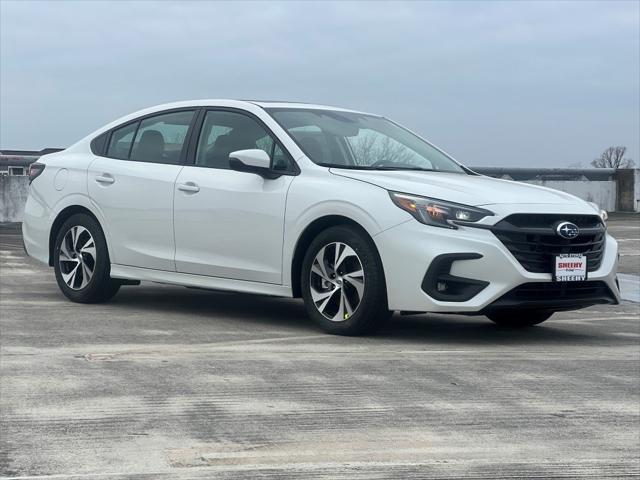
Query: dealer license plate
[{"x": 570, "y": 267}]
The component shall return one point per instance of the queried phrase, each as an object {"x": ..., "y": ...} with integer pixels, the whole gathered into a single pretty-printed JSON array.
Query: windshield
[{"x": 354, "y": 140}]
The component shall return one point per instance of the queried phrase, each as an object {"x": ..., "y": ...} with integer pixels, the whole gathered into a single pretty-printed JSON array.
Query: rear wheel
[
  {"x": 343, "y": 283},
  {"x": 81, "y": 261},
  {"x": 515, "y": 318}
]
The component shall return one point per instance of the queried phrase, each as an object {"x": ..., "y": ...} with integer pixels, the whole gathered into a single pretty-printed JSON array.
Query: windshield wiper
[
  {"x": 419, "y": 169},
  {"x": 369, "y": 167},
  {"x": 350, "y": 167}
]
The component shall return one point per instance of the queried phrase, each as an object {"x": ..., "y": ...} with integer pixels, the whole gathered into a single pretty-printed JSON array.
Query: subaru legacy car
[{"x": 350, "y": 211}]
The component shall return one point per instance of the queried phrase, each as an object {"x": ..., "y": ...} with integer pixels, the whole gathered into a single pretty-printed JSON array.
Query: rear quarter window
[
  {"x": 99, "y": 144},
  {"x": 120, "y": 143}
]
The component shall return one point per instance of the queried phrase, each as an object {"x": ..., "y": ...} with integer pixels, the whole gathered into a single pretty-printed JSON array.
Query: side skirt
[{"x": 199, "y": 281}]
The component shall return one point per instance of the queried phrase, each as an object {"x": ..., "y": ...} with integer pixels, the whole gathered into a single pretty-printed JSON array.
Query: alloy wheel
[
  {"x": 337, "y": 281},
  {"x": 77, "y": 257}
]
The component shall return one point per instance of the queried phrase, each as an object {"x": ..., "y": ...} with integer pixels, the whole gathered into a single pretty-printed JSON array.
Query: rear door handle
[
  {"x": 105, "y": 178},
  {"x": 189, "y": 187}
]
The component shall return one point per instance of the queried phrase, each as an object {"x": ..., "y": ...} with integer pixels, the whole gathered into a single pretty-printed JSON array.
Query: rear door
[
  {"x": 230, "y": 224},
  {"x": 133, "y": 186}
]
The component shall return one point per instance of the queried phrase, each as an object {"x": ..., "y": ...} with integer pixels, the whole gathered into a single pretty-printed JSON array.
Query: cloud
[{"x": 520, "y": 83}]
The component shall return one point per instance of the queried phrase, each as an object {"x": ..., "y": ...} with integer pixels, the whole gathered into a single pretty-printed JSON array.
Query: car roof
[
  {"x": 301, "y": 105},
  {"x": 210, "y": 102}
]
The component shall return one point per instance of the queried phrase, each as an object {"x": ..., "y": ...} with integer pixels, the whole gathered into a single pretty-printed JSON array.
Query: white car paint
[
  {"x": 137, "y": 205},
  {"x": 241, "y": 214},
  {"x": 457, "y": 188},
  {"x": 224, "y": 229},
  {"x": 253, "y": 157}
]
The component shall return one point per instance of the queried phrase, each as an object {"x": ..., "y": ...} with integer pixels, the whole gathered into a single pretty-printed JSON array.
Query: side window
[
  {"x": 266, "y": 143},
  {"x": 225, "y": 132},
  {"x": 98, "y": 144},
  {"x": 318, "y": 146},
  {"x": 280, "y": 160},
  {"x": 160, "y": 139},
  {"x": 120, "y": 142}
]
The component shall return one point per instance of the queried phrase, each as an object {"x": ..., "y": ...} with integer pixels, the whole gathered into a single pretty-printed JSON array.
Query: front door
[{"x": 230, "y": 224}]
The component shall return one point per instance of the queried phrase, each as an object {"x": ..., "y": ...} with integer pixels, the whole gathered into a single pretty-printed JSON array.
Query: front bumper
[{"x": 407, "y": 250}]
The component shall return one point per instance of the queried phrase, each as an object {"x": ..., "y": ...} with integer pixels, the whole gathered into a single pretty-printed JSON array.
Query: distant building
[{"x": 16, "y": 162}]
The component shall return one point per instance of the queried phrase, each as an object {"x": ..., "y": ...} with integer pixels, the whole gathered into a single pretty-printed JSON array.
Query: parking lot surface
[{"x": 167, "y": 382}]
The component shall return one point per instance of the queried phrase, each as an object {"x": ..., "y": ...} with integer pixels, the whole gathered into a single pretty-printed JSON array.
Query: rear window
[
  {"x": 99, "y": 144},
  {"x": 160, "y": 139},
  {"x": 120, "y": 143}
]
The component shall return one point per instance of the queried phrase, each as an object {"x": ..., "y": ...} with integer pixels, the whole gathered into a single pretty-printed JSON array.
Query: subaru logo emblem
[{"x": 567, "y": 230}]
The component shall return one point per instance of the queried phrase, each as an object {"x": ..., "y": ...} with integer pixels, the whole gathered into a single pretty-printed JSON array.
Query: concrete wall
[
  {"x": 628, "y": 181},
  {"x": 602, "y": 193},
  {"x": 613, "y": 190},
  {"x": 13, "y": 196},
  {"x": 636, "y": 190}
]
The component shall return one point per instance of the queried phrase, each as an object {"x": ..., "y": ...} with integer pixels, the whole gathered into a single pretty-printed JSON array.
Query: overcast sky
[{"x": 495, "y": 84}]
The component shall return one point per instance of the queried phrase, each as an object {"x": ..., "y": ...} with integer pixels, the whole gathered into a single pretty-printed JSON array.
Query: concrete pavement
[{"x": 170, "y": 383}]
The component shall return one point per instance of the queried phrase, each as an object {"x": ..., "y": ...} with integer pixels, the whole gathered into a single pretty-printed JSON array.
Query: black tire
[
  {"x": 519, "y": 318},
  {"x": 372, "y": 310},
  {"x": 100, "y": 287}
]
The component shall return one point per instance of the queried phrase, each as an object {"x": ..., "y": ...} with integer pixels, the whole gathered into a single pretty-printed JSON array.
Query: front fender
[{"x": 367, "y": 205}]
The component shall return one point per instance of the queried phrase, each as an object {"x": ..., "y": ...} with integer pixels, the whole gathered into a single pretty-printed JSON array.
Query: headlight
[
  {"x": 438, "y": 213},
  {"x": 603, "y": 213}
]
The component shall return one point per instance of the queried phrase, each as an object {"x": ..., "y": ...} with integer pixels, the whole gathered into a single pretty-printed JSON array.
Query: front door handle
[
  {"x": 189, "y": 187},
  {"x": 105, "y": 178}
]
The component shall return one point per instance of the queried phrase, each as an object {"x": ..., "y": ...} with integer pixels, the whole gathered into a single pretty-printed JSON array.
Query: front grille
[
  {"x": 532, "y": 239},
  {"x": 556, "y": 296}
]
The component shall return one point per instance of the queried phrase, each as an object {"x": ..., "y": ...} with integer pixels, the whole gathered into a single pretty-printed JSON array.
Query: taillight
[{"x": 35, "y": 169}]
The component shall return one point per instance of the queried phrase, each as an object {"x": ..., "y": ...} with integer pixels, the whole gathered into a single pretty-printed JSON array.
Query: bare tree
[
  {"x": 371, "y": 148},
  {"x": 363, "y": 148},
  {"x": 613, "y": 157}
]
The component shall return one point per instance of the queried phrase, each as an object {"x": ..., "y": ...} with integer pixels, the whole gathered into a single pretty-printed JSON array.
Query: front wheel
[
  {"x": 81, "y": 261},
  {"x": 515, "y": 318},
  {"x": 343, "y": 284}
]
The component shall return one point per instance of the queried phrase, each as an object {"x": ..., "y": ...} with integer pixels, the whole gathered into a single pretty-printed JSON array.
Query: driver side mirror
[{"x": 252, "y": 161}]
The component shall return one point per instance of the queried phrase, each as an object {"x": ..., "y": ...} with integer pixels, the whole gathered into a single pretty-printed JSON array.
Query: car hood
[{"x": 460, "y": 188}]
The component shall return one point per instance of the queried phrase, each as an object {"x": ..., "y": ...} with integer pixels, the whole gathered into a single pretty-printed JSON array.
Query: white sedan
[{"x": 348, "y": 210}]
